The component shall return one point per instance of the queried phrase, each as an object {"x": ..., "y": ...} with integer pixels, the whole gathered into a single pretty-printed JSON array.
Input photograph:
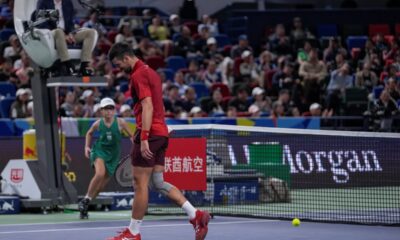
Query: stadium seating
[
  {"x": 176, "y": 62},
  {"x": 201, "y": 90},
  {"x": 222, "y": 40},
  {"x": 6, "y": 127},
  {"x": 356, "y": 42},
  {"x": 327, "y": 30},
  {"x": 377, "y": 91},
  {"x": 374, "y": 29},
  {"x": 5, "y": 105},
  {"x": 224, "y": 89},
  {"x": 6, "y": 33},
  {"x": 169, "y": 73},
  {"x": 7, "y": 89},
  {"x": 156, "y": 62}
]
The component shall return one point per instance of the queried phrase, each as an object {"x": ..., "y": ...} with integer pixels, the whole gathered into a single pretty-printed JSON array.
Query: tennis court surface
[{"x": 106, "y": 224}]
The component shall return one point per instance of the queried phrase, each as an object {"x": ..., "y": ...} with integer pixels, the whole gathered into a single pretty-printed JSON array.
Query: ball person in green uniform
[{"x": 105, "y": 154}]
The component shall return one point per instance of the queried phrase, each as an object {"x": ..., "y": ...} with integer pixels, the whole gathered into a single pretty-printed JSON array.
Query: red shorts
[{"x": 158, "y": 145}]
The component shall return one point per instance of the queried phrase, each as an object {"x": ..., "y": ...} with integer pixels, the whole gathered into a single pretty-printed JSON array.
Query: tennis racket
[{"x": 123, "y": 173}]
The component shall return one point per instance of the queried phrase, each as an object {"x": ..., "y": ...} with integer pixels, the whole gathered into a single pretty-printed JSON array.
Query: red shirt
[{"x": 145, "y": 82}]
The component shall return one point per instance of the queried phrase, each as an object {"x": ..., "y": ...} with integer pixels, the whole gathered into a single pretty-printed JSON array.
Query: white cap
[
  {"x": 211, "y": 40},
  {"x": 86, "y": 93},
  {"x": 21, "y": 91},
  {"x": 315, "y": 106},
  {"x": 246, "y": 54},
  {"x": 96, "y": 107},
  {"x": 257, "y": 91},
  {"x": 195, "y": 110},
  {"x": 173, "y": 16},
  {"x": 124, "y": 108},
  {"x": 106, "y": 102}
]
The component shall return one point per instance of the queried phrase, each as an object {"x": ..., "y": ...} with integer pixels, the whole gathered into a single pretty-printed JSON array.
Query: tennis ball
[{"x": 296, "y": 222}]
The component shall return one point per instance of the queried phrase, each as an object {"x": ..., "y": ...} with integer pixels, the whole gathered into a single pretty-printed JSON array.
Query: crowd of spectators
[{"x": 292, "y": 74}]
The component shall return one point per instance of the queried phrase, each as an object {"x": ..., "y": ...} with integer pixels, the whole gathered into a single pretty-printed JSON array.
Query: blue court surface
[{"x": 220, "y": 228}]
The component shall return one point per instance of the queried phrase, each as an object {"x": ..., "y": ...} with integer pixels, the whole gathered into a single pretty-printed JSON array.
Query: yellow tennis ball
[{"x": 296, "y": 222}]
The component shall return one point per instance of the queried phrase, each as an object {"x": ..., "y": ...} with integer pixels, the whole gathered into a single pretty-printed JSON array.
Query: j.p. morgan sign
[{"x": 330, "y": 161}]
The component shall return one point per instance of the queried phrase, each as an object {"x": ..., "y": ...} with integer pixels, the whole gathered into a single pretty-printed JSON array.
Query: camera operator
[{"x": 64, "y": 32}]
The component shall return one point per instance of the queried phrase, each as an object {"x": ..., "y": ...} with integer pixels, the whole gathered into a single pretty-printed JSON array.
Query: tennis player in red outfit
[{"x": 150, "y": 144}]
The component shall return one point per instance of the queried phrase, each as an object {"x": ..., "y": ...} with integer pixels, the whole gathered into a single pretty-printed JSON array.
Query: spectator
[
  {"x": 157, "y": 30},
  {"x": 201, "y": 41},
  {"x": 25, "y": 72},
  {"x": 29, "y": 109},
  {"x": 313, "y": 73},
  {"x": 215, "y": 106},
  {"x": 196, "y": 112},
  {"x": 254, "y": 111},
  {"x": 69, "y": 103},
  {"x": 340, "y": 80},
  {"x": 126, "y": 35},
  {"x": 302, "y": 54},
  {"x": 211, "y": 24},
  {"x": 285, "y": 78},
  {"x": 175, "y": 24},
  {"x": 231, "y": 112},
  {"x": 365, "y": 78},
  {"x": 6, "y": 70},
  {"x": 160, "y": 33},
  {"x": 89, "y": 101},
  {"x": 240, "y": 100},
  {"x": 278, "y": 110},
  {"x": 380, "y": 43},
  {"x": 94, "y": 23},
  {"x": 183, "y": 45},
  {"x": 279, "y": 43},
  {"x": 243, "y": 45},
  {"x": 392, "y": 73},
  {"x": 396, "y": 62},
  {"x": 298, "y": 32},
  {"x": 135, "y": 22},
  {"x": 384, "y": 109},
  {"x": 263, "y": 103},
  {"x": 284, "y": 99},
  {"x": 97, "y": 111},
  {"x": 392, "y": 52},
  {"x": 125, "y": 111},
  {"x": 173, "y": 103},
  {"x": 367, "y": 51},
  {"x": 315, "y": 110},
  {"x": 180, "y": 83},
  {"x": 189, "y": 99},
  {"x": 226, "y": 69},
  {"x": 78, "y": 111},
  {"x": 18, "y": 108},
  {"x": 14, "y": 49},
  {"x": 265, "y": 62},
  {"x": 248, "y": 70},
  {"x": 193, "y": 74},
  {"x": 333, "y": 49},
  {"x": 211, "y": 75},
  {"x": 211, "y": 49},
  {"x": 393, "y": 89}
]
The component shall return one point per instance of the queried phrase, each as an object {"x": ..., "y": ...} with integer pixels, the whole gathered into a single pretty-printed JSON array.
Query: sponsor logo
[{"x": 17, "y": 175}]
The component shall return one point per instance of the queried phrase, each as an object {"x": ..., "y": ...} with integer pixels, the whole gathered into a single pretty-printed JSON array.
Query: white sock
[
  {"x": 189, "y": 209},
  {"x": 134, "y": 227},
  {"x": 87, "y": 196}
]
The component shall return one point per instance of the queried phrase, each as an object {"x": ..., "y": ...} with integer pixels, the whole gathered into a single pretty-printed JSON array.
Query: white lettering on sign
[{"x": 184, "y": 164}]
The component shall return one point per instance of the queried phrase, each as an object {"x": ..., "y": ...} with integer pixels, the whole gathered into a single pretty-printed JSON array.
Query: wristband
[{"x": 144, "y": 135}]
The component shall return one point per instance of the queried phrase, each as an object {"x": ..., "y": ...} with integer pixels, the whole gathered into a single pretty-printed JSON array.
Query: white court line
[{"x": 120, "y": 227}]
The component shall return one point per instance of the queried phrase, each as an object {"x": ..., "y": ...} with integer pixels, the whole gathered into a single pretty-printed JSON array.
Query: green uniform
[{"x": 107, "y": 146}]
